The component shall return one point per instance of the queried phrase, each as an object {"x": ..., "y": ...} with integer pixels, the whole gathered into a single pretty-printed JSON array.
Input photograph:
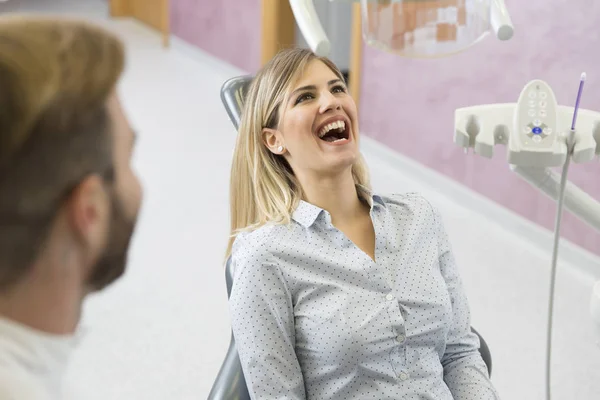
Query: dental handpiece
[{"x": 581, "y": 83}]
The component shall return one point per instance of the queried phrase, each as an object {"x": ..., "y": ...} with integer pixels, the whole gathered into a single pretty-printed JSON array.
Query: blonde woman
[{"x": 339, "y": 292}]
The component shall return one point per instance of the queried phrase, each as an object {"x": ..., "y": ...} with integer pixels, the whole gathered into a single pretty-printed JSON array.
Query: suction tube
[
  {"x": 500, "y": 20},
  {"x": 310, "y": 26}
]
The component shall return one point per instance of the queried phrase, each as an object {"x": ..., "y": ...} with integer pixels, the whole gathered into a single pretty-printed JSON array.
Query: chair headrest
[{"x": 233, "y": 95}]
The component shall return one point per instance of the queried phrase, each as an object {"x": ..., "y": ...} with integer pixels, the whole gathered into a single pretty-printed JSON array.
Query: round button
[
  {"x": 531, "y": 113},
  {"x": 390, "y": 297},
  {"x": 543, "y": 104},
  {"x": 543, "y": 113},
  {"x": 401, "y": 338},
  {"x": 526, "y": 130},
  {"x": 403, "y": 376},
  {"x": 536, "y": 139},
  {"x": 543, "y": 95},
  {"x": 532, "y": 94},
  {"x": 537, "y": 130},
  {"x": 548, "y": 131},
  {"x": 532, "y": 103},
  {"x": 537, "y": 122}
]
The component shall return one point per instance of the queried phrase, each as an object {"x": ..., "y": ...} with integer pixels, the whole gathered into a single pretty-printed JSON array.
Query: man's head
[{"x": 68, "y": 196}]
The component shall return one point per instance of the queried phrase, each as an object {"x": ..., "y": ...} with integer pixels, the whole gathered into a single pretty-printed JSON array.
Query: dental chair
[{"x": 230, "y": 383}]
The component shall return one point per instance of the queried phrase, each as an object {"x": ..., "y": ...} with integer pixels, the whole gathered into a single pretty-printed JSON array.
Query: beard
[{"x": 112, "y": 264}]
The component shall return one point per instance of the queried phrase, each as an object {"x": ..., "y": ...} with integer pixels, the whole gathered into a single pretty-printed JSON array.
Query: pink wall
[
  {"x": 409, "y": 104},
  {"x": 227, "y": 29}
]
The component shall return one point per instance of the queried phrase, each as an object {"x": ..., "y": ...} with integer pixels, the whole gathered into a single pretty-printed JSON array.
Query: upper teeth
[{"x": 333, "y": 125}]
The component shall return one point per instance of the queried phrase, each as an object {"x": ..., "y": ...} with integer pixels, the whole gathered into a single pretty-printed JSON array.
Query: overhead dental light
[
  {"x": 414, "y": 28},
  {"x": 541, "y": 134}
]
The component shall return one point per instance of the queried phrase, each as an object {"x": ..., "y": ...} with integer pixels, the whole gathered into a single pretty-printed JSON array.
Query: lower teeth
[{"x": 332, "y": 139}]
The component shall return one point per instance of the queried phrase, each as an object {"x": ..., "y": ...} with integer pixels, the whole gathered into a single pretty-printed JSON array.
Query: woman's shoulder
[
  {"x": 253, "y": 253},
  {"x": 415, "y": 203},
  {"x": 410, "y": 199},
  {"x": 257, "y": 244}
]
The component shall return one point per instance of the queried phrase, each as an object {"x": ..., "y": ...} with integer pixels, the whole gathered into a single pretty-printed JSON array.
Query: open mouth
[{"x": 335, "y": 132}]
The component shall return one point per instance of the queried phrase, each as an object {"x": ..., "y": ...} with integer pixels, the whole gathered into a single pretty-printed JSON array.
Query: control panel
[
  {"x": 534, "y": 129},
  {"x": 536, "y": 117}
]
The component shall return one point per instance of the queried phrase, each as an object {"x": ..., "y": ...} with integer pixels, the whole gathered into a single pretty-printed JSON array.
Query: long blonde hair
[{"x": 263, "y": 188}]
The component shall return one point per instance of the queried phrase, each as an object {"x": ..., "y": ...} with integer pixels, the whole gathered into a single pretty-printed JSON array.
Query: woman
[{"x": 339, "y": 293}]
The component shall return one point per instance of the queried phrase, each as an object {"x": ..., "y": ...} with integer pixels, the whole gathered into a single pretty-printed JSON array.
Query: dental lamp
[
  {"x": 539, "y": 135},
  {"x": 414, "y": 28}
]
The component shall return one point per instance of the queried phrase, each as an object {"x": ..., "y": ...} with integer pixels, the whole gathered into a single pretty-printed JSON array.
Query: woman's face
[{"x": 318, "y": 129}]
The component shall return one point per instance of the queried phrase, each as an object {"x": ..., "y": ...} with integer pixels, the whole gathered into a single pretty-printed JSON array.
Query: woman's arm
[
  {"x": 465, "y": 372},
  {"x": 263, "y": 327}
]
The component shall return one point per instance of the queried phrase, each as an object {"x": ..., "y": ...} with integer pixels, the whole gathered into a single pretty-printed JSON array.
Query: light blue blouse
[{"x": 314, "y": 317}]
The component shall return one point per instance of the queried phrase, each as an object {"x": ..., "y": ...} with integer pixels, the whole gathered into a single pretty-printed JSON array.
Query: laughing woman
[{"x": 339, "y": 292}]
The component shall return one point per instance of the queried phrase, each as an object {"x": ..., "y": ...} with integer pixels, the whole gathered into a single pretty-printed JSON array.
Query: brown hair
[{"x": 56, "y": 76}]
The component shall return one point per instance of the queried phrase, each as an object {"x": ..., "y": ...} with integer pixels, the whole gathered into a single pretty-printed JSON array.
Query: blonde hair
[
  {"x": 263, "y": 188},
  {"x": 56, "y": 76}
]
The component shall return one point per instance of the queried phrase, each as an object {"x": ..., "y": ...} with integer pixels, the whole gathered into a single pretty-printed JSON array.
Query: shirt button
[
  {"x": 401, "y": 338},
  {"x": 403, "y": 376},
  {"x": 390, "y": 297}
]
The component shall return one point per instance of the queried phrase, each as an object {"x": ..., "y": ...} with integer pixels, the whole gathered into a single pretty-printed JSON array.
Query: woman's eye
[
  {"x": 308, "y": 96},
  {"x": 303, "y": 97}
]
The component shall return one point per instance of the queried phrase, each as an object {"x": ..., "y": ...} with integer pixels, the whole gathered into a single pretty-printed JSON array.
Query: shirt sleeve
[
  {"x": 465, "y": 372},
  {"x": 263, "y": 326}
]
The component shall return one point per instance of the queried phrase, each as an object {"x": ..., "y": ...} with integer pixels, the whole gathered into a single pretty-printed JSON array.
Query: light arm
[
  {"x": 500, "y": 20},
  {"x": 310, "y": 26},
  {"x": 312, "y": 29}
]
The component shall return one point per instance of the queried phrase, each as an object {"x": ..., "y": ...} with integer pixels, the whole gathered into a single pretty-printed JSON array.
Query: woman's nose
[{"x": 329, "y": 102}]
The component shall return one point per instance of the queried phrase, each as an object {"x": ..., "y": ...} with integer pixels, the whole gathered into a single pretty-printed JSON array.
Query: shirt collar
[
  {"x": 306, "y": 213},
  {"x": 47, "y": 354}
]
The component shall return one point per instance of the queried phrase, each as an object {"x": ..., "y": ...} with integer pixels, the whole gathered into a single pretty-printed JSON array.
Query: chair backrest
[
  {"x": 233, "y": 95},
  {"x": 230, "y": 383}
]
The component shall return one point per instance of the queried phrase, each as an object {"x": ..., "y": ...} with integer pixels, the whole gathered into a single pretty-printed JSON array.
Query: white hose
[{"x": 563, "y": 184}]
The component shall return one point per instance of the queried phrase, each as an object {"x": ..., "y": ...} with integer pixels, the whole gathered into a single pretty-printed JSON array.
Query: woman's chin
[{"x": 339, "y": 163}]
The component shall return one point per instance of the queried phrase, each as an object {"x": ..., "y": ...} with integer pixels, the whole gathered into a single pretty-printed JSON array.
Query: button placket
[
  {"x": 403, "y": 376},
  {"x": 401, "y": 338},
  {"x": 398, "y": 355}
]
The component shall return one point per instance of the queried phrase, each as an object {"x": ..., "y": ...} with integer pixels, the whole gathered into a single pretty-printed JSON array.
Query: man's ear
[
  {"x": 273, "y": 140},
  {"x": 88, "y": 212}
]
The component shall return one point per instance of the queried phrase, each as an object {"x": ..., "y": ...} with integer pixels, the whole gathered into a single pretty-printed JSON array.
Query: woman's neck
[{"x": 337, "y": 195}]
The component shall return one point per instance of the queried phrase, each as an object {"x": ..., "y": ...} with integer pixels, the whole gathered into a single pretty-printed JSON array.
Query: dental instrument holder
[
  {"x": 310, "y": 25},
  {"x": 485, "y": 126}
]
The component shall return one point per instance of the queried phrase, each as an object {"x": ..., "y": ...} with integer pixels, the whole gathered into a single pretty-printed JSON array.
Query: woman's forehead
[{"x": 316, "y": 72}]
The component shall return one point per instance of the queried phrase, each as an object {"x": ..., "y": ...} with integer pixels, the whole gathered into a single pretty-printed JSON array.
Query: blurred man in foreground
[{"x": 68, "y": 196}]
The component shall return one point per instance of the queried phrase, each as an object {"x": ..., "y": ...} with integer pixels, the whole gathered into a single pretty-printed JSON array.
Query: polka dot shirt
[{"x": 314, "y": 317}]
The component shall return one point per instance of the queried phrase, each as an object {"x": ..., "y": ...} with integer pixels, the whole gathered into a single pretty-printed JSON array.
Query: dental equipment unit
[
  {"x": 414, "y": 28},
  {"x": 540, "y": 134}
]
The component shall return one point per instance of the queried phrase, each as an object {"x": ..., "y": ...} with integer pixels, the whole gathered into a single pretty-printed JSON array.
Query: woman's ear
[{"x": 273, "y": 141}]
